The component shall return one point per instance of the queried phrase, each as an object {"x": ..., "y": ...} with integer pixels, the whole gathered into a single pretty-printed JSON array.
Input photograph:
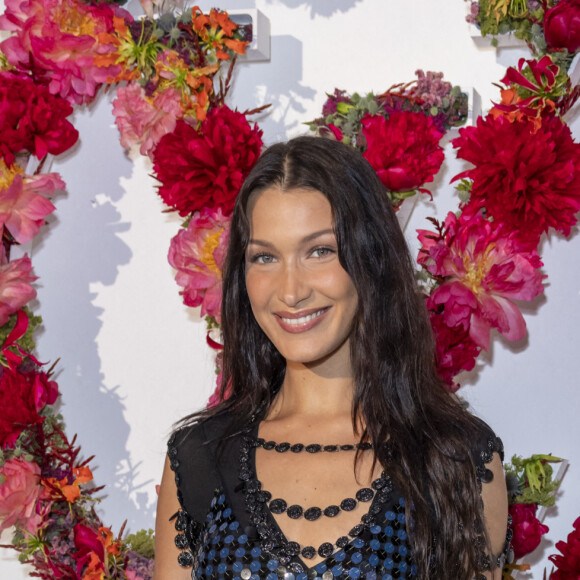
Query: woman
[{"x": 336, "y": 452}]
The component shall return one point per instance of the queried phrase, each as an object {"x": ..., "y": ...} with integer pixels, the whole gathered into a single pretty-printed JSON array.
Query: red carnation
[
  {"x": 529, "y": 179},
  {"x": 562, "y": 25},
  {"x": 31, "y": 119},
  {"x": 206, "y": 168},
  {"x": 403, "y": 149},
  {"x": 527, "y": 529},
  {"x": 18, "y": 407},
  {"x": 568, "y": 564}
]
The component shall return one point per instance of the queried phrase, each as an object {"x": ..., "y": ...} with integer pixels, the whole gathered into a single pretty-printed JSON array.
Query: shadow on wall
[
  {"x": 324, "y": 8},
  {"x": 85, "y": 249},
  {"x": 284, "y": 90}
]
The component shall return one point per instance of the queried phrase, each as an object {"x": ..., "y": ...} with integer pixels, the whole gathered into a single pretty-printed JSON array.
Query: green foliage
[
  {"x": 463, "y": 188},
  {"x": 26, "y": 342},
  {"x": 535, "y": 479},
  {"x": 142, "y": 542}
]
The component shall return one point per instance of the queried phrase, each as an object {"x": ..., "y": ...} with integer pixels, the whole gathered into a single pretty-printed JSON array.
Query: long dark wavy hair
[{"x": 397, "y": 392}]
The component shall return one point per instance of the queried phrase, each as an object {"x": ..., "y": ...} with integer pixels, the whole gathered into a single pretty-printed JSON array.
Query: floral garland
[{"x": 172, "y": 106}]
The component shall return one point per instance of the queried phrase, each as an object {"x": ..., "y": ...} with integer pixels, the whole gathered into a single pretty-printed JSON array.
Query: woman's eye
[
  {"x": 263, "y": 259},
  {"x": 322, "y": 252}
]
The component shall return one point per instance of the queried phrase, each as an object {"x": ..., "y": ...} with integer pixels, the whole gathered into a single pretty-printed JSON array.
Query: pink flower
[
  {"x": 20, "y": 495},
  {"x": 64, "y": 43},
  {"x": 22, "y": 207},
  {"x": 15, "y": 289},
  {"x": 197, "y": 253},
  {"x": 482, "y": 269},
  {"x": 568, "y": 563},
  {"x": 45, "y": 391},
  {"x": 142, "y": 120}
]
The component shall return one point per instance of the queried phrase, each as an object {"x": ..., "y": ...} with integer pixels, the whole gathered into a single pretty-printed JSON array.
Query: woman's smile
[{"x": 301, "y": 296}]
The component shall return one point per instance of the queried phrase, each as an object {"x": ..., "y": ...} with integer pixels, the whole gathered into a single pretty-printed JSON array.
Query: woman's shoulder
[
  {"x": 484, "y": 443},
  {"x": 203, "y": 432},
  {"x": 193, "y": 456}
]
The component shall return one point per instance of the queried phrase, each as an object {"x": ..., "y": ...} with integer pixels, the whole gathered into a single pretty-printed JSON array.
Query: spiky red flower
[
  {"x": 206, "y": 168},
  {"x": 527, "y": 178}
]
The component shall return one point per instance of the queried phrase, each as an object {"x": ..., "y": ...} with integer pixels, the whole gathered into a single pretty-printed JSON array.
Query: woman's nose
[{"x": 293, "y": 286}]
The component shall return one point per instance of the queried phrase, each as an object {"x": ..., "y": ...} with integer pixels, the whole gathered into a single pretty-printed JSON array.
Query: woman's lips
[{"x": 300, "y": 321}]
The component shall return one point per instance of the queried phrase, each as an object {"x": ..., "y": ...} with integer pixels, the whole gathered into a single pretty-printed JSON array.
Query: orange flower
[
  {"x": 94, "y": 570},
  {"x": 106, "y": 538},
  {"x": 61, "y": 488},
  {"x": 216, "y": 31}
]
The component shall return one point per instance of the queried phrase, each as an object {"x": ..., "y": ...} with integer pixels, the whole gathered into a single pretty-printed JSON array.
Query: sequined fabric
[{"x": 232, "y": 541}]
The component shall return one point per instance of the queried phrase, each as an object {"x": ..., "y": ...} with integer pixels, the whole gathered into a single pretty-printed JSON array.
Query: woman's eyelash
[
  {"x": 324, "y": 249},
  {"x": 255, "y": 258}
]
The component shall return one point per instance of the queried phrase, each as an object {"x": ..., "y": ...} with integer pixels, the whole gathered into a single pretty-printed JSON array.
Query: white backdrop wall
[{"x": 133, "y": 358}]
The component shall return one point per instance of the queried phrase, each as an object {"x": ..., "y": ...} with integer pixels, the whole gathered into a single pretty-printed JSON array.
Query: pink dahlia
[
  {"x": 525, "y": 176},
  {"x": 15, "y": 287},
  {"x": 404, "y": 149},
  {"x": 23, "y": 208},
  {"x": 142, "y": 120},
  {"x": 197, "y": 253},
  {"x": 206, "y": 168},
  {"x": 63, "y": 42},
  {"x": 482, "y": 269}
]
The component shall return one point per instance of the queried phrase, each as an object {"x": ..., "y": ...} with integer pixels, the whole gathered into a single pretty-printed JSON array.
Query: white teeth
[{"x": 304, "y": 319}]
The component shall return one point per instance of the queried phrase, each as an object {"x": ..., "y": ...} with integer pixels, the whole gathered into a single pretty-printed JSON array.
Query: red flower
[
  {"x": 31, "y": 119},
  {"x": 403, "y": 149},
  {"x": 206, "y": 168},
  {"x": 527, "y": 529},
  {"x": 562, "y": 25},
  {"x": 18, "y": 405},
  {"x": 527, "y": 178},
  {"x": 568, "y": 564},
  {"x": 455, "y": 350}
]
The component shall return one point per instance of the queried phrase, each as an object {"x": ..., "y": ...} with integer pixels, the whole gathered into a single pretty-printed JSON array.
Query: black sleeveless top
[{"x": 226, "y": 531}]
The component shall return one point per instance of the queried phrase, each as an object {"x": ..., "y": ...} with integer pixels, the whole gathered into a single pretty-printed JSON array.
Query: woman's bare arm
[
  {"x": 494, "y": 495},
  {"x": 166, "y": 552}
]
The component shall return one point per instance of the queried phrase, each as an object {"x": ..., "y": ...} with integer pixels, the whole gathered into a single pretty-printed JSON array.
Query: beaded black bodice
[{"x": 225, "y": 528}]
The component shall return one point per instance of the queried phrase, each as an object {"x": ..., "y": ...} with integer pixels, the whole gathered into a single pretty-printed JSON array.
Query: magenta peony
[
  {"x": 404, "y": 149},
  {"x": 455, "y": 351},
  {"x": 206, "y": 168},
  {"x": 197, "y": 253},
  {"x": 527, "y": 178},
  {"x": 562, "y": 25},
  {"x": 15, "y": 289},
  {"x": 20, "y": 495},
  {"x": 22, "y": 207},
  {"x": 527, "y": 529},
  {"x": 568, "y": 564},
  {"x": 64, "y": 43},
  {"x": 482, "y": 270},
  {"x": 142, "y": 120}
]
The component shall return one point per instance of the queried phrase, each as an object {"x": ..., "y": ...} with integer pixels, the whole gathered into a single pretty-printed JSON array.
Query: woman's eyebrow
[{"x": 305, "y": 239}]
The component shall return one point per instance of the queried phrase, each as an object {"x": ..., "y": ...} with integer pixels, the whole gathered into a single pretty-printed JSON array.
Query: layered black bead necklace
[{"x": 259, "y": 502}]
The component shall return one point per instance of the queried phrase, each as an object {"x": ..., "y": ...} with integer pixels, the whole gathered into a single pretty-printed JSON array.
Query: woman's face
[{"x": 301, "y": 296}]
